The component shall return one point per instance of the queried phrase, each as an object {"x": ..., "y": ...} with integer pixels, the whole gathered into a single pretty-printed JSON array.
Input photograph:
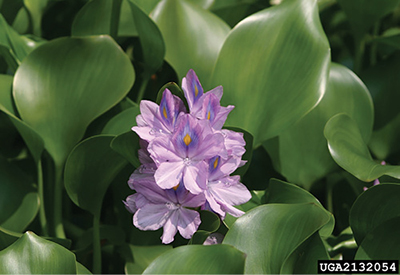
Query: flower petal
[
  {"x": 188, "y": 222},
  {"x": 194, "y": 177},
  {"x": 161, "y": 150},
  {"x": 151, "y": 216},
  {"x": 192, "y": 89},
  {"x": 169, "y": 174},
  {"x": 170, "y": 228},
  {"x": 130, "y": 203}
]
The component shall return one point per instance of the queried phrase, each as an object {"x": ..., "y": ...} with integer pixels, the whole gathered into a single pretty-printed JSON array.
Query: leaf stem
[
  {"x": 114, "y": 22},
  {"x": 96, "y": 245},
  {"x": 58, "y": 194},
  {"x": 143, "y": 85},
  {"x": 373, "y": 53},
  {"x": 42, "y": 212},
  {"x": 359, "y": 52}
]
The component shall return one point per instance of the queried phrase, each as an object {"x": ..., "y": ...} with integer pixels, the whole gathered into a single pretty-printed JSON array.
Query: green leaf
[
  {"x": 89, "y": 170},
  {"x": 36, "y": 10},
  {"x": 122, "y": 122},
  {"x": 178, "y": 20},
  {"x": 9, "y": 38},
  {"x": 257, "y": 198},
  {"x": 143, "y": 256},
  {"x": 66, "y": 83},
  {"x": 272, "y": 90},
  {"x": 350, "y": 152},
  {"x": 31, "y": 255},
  {"x": 96, "y": 18},
  {"x": 372, "y": 208},
  {"x": 265, "y": 234},
  {"x": 304, "y": 260},
  {"x": 33, "y": 141},
  {"x": 362, "y": 14},
  {"x": 146, "y": 5},
  {"x": 381, "y": 243},
  {"x": 199, "y": 259},
  {"x": 303, "y": 155},
  {"x": 151, "y": 40},
  {"x": 283, "y": 192},
  {"x": 127, "y": 145},
  {"x": 18, "y": 200}
]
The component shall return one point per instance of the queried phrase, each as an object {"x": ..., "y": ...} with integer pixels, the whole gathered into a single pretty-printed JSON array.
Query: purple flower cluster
[{"x": 187, "y": 159}]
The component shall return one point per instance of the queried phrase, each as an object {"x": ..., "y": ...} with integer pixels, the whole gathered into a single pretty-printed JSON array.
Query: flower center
[{"x": 187, "y": 139}]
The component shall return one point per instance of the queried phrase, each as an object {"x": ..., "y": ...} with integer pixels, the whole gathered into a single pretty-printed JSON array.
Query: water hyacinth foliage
[{"x": 191, "y": 136}]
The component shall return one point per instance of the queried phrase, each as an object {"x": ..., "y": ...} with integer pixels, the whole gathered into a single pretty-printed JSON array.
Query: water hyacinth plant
[
  {"x": 186, "y": 161},
  {"x": 115, "y": 158}
]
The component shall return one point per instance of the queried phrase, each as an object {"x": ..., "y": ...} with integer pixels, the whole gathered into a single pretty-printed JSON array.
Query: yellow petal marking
[
  {"x": 165, "y": 113},
  {"x": 175, "y": 187},
  {"x": 196, "y": 90},
  {"x": 208, "y": 115},
  {"x": 216, "y": 163},
  {"x": 187, "y": 139}
]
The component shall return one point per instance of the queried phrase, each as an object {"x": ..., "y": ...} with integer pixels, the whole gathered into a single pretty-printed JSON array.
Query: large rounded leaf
[
  {"x": 64, "y": 84},
  {"x": 303, "y": 154},
  {"x": 89, "y": 170},
  {"x": 179, "y": 20},
  {"x": 350, "y": 152},
  {"x": 270, "y": 233},
  {"x": 273, "y": 67},
  {"x": 33, "y": 255},
  {"x": 143, "y": 256},
  {"x": 199, "y": 259},
  {"x": 381, "y": 243},
  {"x": 378, "y": 204},
  {"x": 283, "y": 192}
]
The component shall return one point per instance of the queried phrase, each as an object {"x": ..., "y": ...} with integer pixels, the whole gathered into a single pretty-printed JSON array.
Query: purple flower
[
  {"x": 224, "y": 191},
  {"x": 155, "y": 120},
  {"x": 186, "y": 161},
  {"x": 154, "y": 208},
  {"x": 182, "y": 157}
]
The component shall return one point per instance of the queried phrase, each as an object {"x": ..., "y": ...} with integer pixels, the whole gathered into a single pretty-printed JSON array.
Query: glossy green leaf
[
  {"x": 143, "y": 256},
  {"x": 378, "y": 204},
  {"x": 146, "y": 5},
  {"x": 199, "y": 259},
  {"x": 303, "y": 155},
  {"x": 127, "y": 145},
  {"x": 7, "y": 237},
  {"x": 257, "y": 198},
  {"x": 96, "y": 18},
  {"x": 381, "y": 243},
  {"x": 13, "y": 41},
  {"x": 283, "y": 192},
  {"x": 36, "y": 10},
  {"x": 305, "y": 258},
  {"x": 350, "y": 152},
  {"x": 80, "y": 269},
  {"x": 32, "y": 254},
  {"x": 66, "y": 83},
  {"x": 265, "y": 234},
  {"x": 89, "y": 170},
  {"x": 385, "y": 141},
  {"x": 122, "y": 122},
  {"x": 151, "y": 40},
  {"x": 362, "y": 14},
  {"x": 179, "y": 20},
  {"x": 274, "y": 65}
]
